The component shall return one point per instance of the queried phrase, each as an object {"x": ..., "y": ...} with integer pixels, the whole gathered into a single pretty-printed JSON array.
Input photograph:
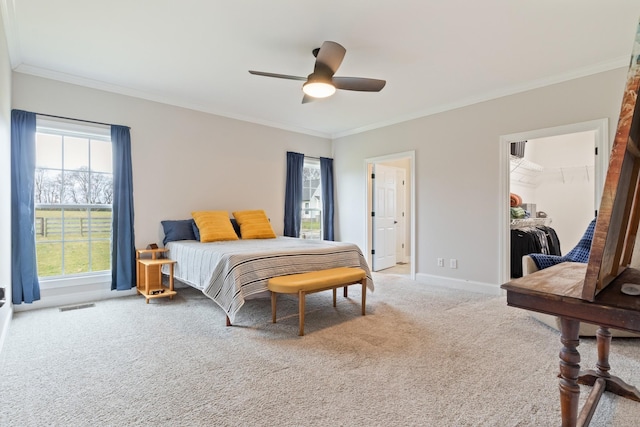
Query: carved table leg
[
  {"x": 569, "y": 371},
  {"x": 613, "y": 384}
]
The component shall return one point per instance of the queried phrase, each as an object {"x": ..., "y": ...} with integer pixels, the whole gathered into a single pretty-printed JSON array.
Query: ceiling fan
[{"x": 322, "y": 82}]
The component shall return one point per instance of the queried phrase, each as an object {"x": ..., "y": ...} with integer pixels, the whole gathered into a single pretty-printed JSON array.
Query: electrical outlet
[
  {"x": 453, "y": 263},
  {"x": 440, "y": 262}
]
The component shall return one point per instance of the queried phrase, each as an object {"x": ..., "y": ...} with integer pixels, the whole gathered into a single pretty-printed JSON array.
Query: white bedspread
[{"x": 229, "y": 272}]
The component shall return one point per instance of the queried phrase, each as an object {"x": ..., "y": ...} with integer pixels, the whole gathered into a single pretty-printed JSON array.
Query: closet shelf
[
  {"x": 522, "y": 164},
  {"x": 530, "y": 222}
]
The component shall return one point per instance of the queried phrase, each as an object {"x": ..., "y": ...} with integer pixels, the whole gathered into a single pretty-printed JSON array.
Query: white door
[
  {"x": 384, "y": 217},
  {"x": 401, "y": 233}
]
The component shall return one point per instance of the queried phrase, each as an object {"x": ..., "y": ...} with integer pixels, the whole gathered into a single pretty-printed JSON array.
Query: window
[
  {"x": 73, "y": 198},
  {"x": 311, "y": 227}
]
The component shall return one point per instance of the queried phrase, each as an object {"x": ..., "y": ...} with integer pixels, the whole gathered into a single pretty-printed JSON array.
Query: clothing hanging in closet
[{"x": 530, "y": 240}]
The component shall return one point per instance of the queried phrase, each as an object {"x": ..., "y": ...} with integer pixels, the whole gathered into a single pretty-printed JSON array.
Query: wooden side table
[{"x": 149, "y": 274}]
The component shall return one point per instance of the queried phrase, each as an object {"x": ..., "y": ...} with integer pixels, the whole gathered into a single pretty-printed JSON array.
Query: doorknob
[{"x": 395, "y": 222}]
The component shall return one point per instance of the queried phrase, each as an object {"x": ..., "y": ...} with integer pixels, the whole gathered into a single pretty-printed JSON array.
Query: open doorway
[
  {"x": 391, "y": 213},
  {"x": 563, "y": 162}
]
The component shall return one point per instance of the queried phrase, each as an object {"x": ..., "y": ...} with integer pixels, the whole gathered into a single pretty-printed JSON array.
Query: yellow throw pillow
[
  {"x": 214, "y": 226},
  {"x": 254, "y": 225}
]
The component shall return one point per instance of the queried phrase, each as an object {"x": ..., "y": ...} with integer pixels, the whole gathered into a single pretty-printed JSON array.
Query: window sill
[{"x": 67, "y": 282}]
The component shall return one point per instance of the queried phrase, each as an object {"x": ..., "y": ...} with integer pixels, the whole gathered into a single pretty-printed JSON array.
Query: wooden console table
[{"x": 558, "y": 291}]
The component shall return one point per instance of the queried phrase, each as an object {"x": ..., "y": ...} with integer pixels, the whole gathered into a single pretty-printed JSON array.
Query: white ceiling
[{"x": 434, "y": 54}]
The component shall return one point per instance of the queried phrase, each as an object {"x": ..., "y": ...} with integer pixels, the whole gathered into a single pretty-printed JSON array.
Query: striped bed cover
[{"x": 229, "y": 272}]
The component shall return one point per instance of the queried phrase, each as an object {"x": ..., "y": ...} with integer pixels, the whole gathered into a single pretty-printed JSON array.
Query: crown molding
[{"x": 122, "y": 90}]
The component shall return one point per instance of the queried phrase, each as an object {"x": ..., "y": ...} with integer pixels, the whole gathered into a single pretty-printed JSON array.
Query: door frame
[
  {"x": 411, "y": 194},
  {"x": 602, "y": 143}
]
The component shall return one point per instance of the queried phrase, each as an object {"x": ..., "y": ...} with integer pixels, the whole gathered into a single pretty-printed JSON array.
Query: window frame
[
  {"x": 91, "y": 132},
  {"x": 306, "y": 210}
]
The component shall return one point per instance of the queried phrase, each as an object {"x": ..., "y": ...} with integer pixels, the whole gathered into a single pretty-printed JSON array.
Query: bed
[{"x": 229, "y": 272}]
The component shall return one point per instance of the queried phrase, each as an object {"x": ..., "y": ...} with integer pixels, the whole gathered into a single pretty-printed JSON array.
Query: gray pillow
[{"x": 178, "y": 230}]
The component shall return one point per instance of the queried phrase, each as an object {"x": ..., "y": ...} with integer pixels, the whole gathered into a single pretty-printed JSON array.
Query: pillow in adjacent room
[
  {"x": 214, "y": 226},
  {"x": 254, "y": 224},
  {"x": 177, "y": 230}
]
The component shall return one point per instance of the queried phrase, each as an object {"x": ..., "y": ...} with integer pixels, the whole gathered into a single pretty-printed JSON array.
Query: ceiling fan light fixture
[{"x": 318, "y": 89}]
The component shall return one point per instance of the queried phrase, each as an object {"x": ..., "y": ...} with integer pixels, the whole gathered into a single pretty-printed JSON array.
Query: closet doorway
[
  {"x": 560, "y": 173},
  {"x": 390, "y": 213}
]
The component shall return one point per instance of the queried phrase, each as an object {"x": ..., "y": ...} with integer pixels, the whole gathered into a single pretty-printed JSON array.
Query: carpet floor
[{"x": 422, "y": 356}]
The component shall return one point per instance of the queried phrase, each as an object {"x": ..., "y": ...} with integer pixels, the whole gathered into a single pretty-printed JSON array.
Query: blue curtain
[
  {"x": 123, "y": 262},
  {"x": 293, "y": 194},
  {"x": 326, "y": 180},
  {"x": 24, "y": 271}
]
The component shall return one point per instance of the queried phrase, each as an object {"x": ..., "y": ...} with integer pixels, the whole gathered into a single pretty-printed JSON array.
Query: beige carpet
[{"x": 423, "y": 356}]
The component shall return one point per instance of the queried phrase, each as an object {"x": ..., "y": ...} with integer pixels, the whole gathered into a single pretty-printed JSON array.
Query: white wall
[
  {"x": 5, "y": 181},
  {"x": 458, "y": 173},
  {"x": 183, "y": 160}
]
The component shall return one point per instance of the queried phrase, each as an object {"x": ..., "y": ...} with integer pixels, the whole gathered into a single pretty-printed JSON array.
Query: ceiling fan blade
[
  {"x": 279, "y": 76},
  {"x": 306, "y": 98},
  {"x": 329, "y": 57},
  {"x": 358, "y": 83}
]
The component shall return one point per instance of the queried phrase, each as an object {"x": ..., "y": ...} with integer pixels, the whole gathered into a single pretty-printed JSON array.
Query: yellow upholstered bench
[{"x": 316, "y": 281}]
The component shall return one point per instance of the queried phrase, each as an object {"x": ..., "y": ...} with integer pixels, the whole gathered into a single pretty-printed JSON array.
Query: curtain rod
[
  {"x": 78, "y": 120},
  {"x": 315, "y": 158}
]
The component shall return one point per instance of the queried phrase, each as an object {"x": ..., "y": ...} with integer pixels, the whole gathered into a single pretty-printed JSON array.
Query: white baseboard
[
  {"x": 5, "y": 319},
  {"x": 464, "y": 285}
]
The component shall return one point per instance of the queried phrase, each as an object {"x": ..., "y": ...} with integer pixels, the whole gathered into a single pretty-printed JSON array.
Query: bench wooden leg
[
  {"x": 345, "y": 292},
  {"x": 364, "y": 294},
  {"x": 334, "y": 296},
  {"x": 301, "y": 296},
  {"x": 273, "y": 306}
]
